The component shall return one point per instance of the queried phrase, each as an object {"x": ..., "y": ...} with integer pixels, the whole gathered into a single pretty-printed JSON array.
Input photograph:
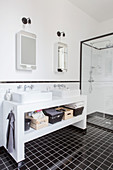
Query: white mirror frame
[
  {"x": 61, "y": 55},
  {"x": 20, "y": 65}
]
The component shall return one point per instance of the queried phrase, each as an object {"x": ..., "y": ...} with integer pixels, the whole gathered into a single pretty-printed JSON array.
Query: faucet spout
[{"x": 30, "y": 87}]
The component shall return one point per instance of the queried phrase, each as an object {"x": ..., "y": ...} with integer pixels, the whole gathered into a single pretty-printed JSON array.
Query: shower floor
[{"x": 101, "y": 119}]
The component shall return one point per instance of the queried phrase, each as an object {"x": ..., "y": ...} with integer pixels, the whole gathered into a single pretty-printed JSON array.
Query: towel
[{"x": 11, "y": 132}]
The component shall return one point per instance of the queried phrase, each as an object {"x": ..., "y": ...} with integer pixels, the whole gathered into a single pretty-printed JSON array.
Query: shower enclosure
[{"x": 97, "y": 73}]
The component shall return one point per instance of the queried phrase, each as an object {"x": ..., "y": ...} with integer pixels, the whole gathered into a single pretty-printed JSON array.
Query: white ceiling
[{"x": 101, "y": 10}]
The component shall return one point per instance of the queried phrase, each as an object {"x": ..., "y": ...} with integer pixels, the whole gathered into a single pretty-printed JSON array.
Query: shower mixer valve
[{"x": 90, "y": 81}]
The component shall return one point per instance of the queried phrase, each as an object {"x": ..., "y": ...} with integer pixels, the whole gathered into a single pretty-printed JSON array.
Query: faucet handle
[
  {"x": 25, "y": 86},
  {"x": 19, "y": 86},
  {"x": 32, "y": 86},
  {"x": 55, "y": 85}
]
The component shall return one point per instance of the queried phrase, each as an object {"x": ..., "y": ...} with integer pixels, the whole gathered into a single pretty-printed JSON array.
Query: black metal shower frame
[{"x": 83, "y": 42}]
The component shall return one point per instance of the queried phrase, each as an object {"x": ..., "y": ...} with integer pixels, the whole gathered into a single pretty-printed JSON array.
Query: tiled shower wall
[
  {"x": 100, "y": 98},
  {"x": 36, "y": 86}
]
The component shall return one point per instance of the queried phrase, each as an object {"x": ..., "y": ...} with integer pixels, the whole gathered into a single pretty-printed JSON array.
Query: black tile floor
[
  {"x": 66, "y": 149},
  {"x": 101, "y": 119}
]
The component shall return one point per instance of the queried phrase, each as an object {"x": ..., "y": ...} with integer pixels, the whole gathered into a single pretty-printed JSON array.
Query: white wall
[
  {"x": 105, "y": 27},
  {"x": 48, "y": 16}
]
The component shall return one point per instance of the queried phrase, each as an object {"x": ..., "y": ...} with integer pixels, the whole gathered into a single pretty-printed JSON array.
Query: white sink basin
[
  {"x": 65, "y": 93},
  {"x": 31, "y": 96}
]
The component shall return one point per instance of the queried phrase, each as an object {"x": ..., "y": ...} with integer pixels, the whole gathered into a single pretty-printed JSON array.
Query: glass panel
[
  {"x": 97, "y": 74},
  {"x": 62, "y": 57},
  {"x": 28, "y": 51}
]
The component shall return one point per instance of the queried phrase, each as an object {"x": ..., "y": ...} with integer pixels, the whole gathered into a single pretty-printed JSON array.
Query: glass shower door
[{"x": 97, "y": 79}]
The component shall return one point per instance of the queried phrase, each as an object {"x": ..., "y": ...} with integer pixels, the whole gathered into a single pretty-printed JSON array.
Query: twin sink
[{"x": 38, "y": 96}]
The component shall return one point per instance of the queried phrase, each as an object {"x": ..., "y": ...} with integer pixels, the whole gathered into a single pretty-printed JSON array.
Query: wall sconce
[
  {"x": 59, "y": 34},
  {"x": 26, "y": 20}
]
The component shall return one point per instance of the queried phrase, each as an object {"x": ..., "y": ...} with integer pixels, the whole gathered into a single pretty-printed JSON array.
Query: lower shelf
[{"x": 33, "y": 134}]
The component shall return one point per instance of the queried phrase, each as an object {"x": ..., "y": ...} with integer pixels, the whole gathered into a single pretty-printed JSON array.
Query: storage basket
[
  {"x": 78, "y": 111},
  {"x": 68, "y": 113},
  {"x": 54, "y": 115},
  {"x": 38, "y": 123}
]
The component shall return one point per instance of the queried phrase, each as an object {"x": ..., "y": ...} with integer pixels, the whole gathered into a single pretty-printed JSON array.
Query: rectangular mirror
[
  {"x": 26, "y": 51},
  {"x": 62, "y": 52}
]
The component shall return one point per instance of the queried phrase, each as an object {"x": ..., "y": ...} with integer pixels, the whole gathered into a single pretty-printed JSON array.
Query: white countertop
[{"x": 47, "y": 104}]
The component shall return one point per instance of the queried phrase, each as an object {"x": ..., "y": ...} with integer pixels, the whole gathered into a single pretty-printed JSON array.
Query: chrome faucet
[{"x": 60, "y": 86}]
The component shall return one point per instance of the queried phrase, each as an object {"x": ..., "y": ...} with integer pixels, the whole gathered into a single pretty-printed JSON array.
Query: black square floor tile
[
  {"x": 86, "y": 162},
  {"x": 65, "y": 155},
  {"x": 76, "y": 162},
  {"x": 77, "y": 168},
  {"x": 64, "y": 150},
  {"x": 46, "y": 154},
  {"x": 2, "y": 166},
  {"x": 23, "y": 167},
  {"x": 66, "y": 161},
  {"x": 32, "y": 157},
  {"x": 97, "y": 163},
  {"x": 110, "y": 159},
  {"x": 56, "y": 155},
  {"x": 55, "y": 161},
  {"x": 50, "y": 164},
  {"x": 100, "y": 159},
  {"x": 33, "y": 167},
  {"x": 51, "y": 158},
  {"x": 62, "y": 166},
  {"x": 13, "y": 166},
  {"x": 29, "y": 164},
  {"x": 104, "y": 167},
  {"x": 40, "y": 164},
  {"x": 61, "y": 158},
  {"x": 82, "y": 166},
  {"x": 107, "y": 163},
  {"x": 71, "y": 166},
  {"x": 42, "y": 157},
  {"x": 66, "y": 168},
  {"x": 111, "y": 166},
  {"x": 93, "y": 166},
  {"x": 44, "y": 168},
  {"x": 36, "y": 160},
  {"x": 8, "y": 163}
]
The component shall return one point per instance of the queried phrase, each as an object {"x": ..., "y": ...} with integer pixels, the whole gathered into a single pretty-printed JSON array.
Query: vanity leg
[
  {"x": 84, "y": 131},
  {"x": 20, "y": 136},
  {"x": 18, "y": 152},
  {"x": 81, "y": 124},
  {"x": 20, "y": 164}
]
